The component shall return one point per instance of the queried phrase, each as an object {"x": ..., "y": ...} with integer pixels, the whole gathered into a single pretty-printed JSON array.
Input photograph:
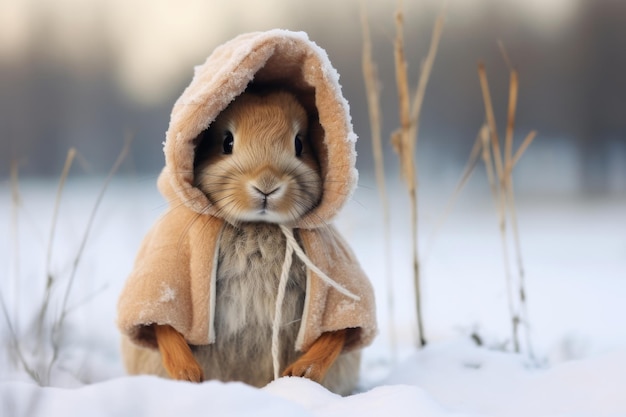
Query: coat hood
[{"x": 277, "y": 58}]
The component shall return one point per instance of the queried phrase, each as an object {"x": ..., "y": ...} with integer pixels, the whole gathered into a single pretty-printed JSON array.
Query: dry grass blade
[
  {"x": 520, "y": 151},
  {"x": 15, "y": 205},
  {"x": 465, "y": 176},
  {"x": 15, "y": 344},
  {"x": 402, "y": 141},
  {"x": 491, "y": 120},
  {"x": 120, "y": 158},
  {"x": 505, "y": 55},
  {"x": 427, "y": 67},
  {"x": 373, "y": 102},
  {"x": 486, "y": 155},
  {"x": 66, "y": 170},
  {"x": 505, "y": 199},
  {"x": 510, "y": 196},
  {"x": 510, "y": 125},
  {"x": 511, "y": 110},
  {"x": 499, "y": 191},
  {"x": 58, "y": 325},
  {"x": 12, "y": 325},
  {"x": 55, "y": 213},
  {"x": 521, "y": 290}
]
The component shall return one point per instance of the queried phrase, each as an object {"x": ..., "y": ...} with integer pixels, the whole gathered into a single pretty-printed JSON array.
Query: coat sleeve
[
  {"x": 170, "y": 281},
  {"x": 326, "y": 309}
]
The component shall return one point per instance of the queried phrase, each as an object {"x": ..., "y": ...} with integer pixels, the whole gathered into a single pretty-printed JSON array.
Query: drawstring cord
[{"x": 291, "y": 247}]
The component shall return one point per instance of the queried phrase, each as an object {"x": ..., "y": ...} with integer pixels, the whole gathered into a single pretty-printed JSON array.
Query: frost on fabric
[
  {"x": 346, "y": 306},
  {"x": 167, "y": 293}
]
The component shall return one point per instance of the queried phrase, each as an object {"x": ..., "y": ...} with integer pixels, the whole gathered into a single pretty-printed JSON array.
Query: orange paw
[
  {"x": 306, "y": 369},
  {"x": 177, "y": 358}
]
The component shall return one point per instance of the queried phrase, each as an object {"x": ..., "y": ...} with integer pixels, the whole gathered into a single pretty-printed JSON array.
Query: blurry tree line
[{"x": 572, "y": 90}]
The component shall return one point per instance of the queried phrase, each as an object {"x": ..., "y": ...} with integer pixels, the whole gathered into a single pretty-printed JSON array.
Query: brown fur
[
  {"x": 263, "y": 173},
  {"x": 180, "y": 363},
  {"x": 314, "y": 364},
  {"x": 176, "y": 354},
  {"x": 263, "y": 158},
  {"x": 178, "y": 279}
]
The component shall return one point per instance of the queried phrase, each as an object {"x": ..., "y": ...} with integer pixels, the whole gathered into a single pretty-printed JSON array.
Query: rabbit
[{"x": 257, "y": 167}]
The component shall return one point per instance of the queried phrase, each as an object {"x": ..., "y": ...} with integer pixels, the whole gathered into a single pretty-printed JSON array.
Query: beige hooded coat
[{"x": 173, "y": 281}]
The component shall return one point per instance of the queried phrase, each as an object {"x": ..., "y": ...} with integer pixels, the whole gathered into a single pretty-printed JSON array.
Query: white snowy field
[{"x": 574, "y": 255}]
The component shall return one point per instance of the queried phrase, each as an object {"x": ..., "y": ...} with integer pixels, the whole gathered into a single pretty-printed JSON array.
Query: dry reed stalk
[
  {"x": 370, "y": 75},
  {"x": 404, "y": 146},
  {"x": 505, "y": 196},
  {"x": 510, "y": 193},
  {"x": 57, "y": 328},
  {"x": 404, "y": 139},
  {"x": 510, "y": 125},
  {"x": 500, "y": 196},
  {"x": 491, "y": 120},
  {"x": 510, "y": 197},
  {"x": 426, "y": 70}
]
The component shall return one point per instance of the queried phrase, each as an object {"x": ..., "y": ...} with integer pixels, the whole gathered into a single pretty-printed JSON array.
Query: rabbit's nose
[
  {"x": 266, "y": 192},
  {"x": 267, "y": 186}
]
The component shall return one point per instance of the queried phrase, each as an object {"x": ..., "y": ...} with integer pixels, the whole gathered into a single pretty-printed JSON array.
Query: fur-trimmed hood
[
  {"x": 264, "y": 59},
  {"x": 174, "y": 278}
]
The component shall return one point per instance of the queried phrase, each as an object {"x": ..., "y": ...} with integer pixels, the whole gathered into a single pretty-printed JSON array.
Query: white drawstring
[{"x": 291, "y": 247}]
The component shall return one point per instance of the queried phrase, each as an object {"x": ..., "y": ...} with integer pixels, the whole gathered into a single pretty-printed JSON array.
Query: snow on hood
[{"x": 276, "y": 58}]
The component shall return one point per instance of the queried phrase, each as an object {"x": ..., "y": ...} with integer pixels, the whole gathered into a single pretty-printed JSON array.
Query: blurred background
[{"x": 83, "y": 73}]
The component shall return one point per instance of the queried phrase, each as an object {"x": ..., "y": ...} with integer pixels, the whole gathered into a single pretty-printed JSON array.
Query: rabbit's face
[{"x": 255, "y": 163}]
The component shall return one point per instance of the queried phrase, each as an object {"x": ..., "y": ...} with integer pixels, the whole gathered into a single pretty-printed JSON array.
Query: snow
[
  {"x": 167, "y": 294},
  {"x": 574, "y": 253}
]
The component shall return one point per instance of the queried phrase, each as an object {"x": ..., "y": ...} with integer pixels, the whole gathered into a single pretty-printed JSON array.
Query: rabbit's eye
[
  {"x": 228, "y": 143},
  {"x": 298, "y": 143}
]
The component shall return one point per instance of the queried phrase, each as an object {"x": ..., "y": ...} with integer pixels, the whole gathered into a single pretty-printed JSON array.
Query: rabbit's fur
[
  {"x": 260, "y": 178},
  {"x": 250, "y": 260},
  {"x": 268, "y": 175},
  {"x": 271, "y": 173}
]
